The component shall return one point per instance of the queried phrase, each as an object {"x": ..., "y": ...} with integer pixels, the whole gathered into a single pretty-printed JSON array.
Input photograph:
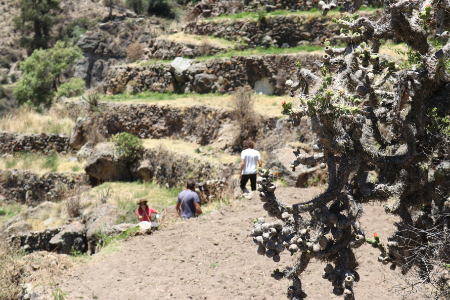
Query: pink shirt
[{"x": 148, "y": 213}]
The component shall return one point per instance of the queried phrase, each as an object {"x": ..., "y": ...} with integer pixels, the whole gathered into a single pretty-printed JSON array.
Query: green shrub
[
  {"x": 74, "y": 29},
  {"x": 160, "y": 8},
  {"x": 129, "y": 146},
  {"x": 41, "y": 74},
  {"x": 73, "y": 87}
]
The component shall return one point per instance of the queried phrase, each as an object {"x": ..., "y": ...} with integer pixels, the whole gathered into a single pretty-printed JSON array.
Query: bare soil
[{"x": 214, "y": 257}]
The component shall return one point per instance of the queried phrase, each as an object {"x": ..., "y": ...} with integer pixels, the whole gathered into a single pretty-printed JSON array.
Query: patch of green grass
[
  {"x": 113, "y": 243},
  {"x": 263, "y": 51},
  {"x": 58, "y": 294},
  {"x": 51, "y": 162},
  {"x": 214, "y": 265},
  {"x": 75, "y": 168},
  {"x": 9, "y": 210},
  {"x": 147, "y": 96}
]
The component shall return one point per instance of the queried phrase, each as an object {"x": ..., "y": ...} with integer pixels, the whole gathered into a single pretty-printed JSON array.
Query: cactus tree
[{"x": 383, "y": 133}]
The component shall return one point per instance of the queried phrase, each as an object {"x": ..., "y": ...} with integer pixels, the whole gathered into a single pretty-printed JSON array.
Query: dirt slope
[{"x": 213, "y": 257}]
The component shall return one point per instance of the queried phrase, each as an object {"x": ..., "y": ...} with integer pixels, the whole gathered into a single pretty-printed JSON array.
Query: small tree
[
  {"x": 383, "y": 134},
  {"x": 42, "y": 72},
  {"x": 129, "y": 146},
  {"x": 137, "y": 5},
  {"x": 35, "y": 22},
  {"x": 111, "y": 4}
]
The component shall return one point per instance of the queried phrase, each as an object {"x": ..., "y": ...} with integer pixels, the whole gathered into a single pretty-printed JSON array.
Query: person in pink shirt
[{"x": 144, "y": 212}]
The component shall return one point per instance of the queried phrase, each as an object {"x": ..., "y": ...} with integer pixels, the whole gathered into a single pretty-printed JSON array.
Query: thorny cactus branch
[{"x": 383, "y": 134}]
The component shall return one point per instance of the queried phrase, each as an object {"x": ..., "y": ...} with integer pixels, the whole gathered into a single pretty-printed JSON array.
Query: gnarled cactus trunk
[{"x": 383, "y": 133}]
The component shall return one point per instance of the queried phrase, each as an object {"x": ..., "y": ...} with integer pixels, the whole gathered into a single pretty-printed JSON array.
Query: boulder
[
  {"x": 196, "y": 68},
  {"x": 267, "y": 40},
  {"x": 104, "y": 164},
  {"x": 17, "y": 228},
  {"x": 89, "y": 42},
  {"x": 85, "y": 151},
  {"x": 99, "y": 222},
  {"x": 78, "y": 137},
  {"x": 186, "y": 88},
  {"x": 443, "y": 169},
  {"x": 72, "y": 236},
  {"x": 203, "y": 83},
  {"x": 179, "y": 67},
  {"x": 144, "y": 171},
  {"x": 280, "y": 161},
  {"x": 264, "y": 86}
]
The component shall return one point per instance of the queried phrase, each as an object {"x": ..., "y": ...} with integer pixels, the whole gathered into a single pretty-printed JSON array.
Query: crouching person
[
  {"x": 188, "y": 202},
  {"x": 144, "y": 212}
]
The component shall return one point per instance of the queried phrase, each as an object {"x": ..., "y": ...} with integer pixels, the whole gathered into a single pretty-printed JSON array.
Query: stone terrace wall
[
  {"x": 15, "y": 142},
  {"x": 219, "y": 75},
  {"x": 27, "y": 187},
  {"x": 292, "y": 30},
  {"x": 167, "y": 49},
  {"x": 216, "y": 8},
  {"x": 196, "y": 123}
]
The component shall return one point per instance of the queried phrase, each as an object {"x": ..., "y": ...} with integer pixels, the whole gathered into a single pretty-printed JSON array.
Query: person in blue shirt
[{"x": 188, "y": 202}]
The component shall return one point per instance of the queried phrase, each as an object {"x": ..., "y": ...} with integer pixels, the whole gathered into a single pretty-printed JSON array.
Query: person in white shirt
[{"x": 249, "y": 160}]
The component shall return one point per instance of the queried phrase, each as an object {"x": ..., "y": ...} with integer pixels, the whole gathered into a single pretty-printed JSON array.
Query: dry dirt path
[{"x": 213, "y": 257}]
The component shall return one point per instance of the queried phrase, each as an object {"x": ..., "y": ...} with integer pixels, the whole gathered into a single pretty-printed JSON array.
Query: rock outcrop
[{"x": 105, "y": 165}]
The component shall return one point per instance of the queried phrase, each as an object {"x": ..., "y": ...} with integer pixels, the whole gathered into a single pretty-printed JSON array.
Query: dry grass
[
  {"x": 41, "y": 164},
  {"x": 189, "y": 148},
  {"x": 264, "y": 105},
  {"x": 195, "y": 39},
  {"x": 29, "y": 121}
]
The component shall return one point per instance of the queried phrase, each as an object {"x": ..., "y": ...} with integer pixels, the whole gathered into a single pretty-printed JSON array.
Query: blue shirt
[{"x": 187, "y": 198}]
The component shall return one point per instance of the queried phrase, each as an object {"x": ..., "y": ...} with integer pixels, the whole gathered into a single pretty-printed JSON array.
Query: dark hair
[
  {"x": 190, "y": 184},
  {"x": 249, "y": 144}
]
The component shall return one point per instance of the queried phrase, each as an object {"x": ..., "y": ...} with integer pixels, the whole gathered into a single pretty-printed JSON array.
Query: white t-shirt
[{"x": 251, "y": 157}]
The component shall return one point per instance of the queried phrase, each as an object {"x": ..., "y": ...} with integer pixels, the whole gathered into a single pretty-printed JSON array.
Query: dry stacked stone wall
[
  {"x": 167, "y": 49},
  {"x": 220, "y": 75},
  {"x": 30, "y": 188},
  {"x": 197, "y": 123},
  {"x": 290, "y": 30},
  {"x": 36, "y": 240},
  {"x": 16, "y": 142},
  {"x": 219, "y": 7}
]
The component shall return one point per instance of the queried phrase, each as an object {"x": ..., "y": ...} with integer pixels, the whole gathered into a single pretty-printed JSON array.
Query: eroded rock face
[
  {"x": 78, "y": 137},
  {"x": 104, "y": 164},
  {"x": 82, "y": 68},
  {"x": 72, "y": 236}
]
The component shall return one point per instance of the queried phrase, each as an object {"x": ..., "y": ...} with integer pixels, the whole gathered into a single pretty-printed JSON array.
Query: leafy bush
[
  {"x": 42, "y": 72},
  {"x": 73, "y": 87},
  {"x": 134, "y": 52},
  {"x": 74, "y": 29},
  {"x": 51, "y": 162},
  {"x": 129, "y": 146}
]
